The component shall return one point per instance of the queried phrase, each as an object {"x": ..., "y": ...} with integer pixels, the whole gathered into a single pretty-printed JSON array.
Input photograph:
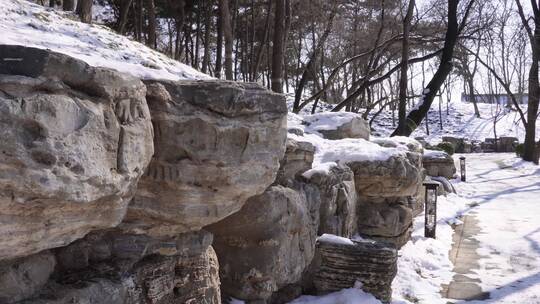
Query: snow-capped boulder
[
  {"x": 217, "y": 144},
  {"x": 74, "y": 141},
  {"x": 338, "y": 125},
  {"x": 438, "y": 163},
  {"x": 397, "y": 176},
  {"x": 269, "y": 243}
]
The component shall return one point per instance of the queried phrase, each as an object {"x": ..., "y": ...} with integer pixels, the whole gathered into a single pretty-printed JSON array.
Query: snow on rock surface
[{"x": 29, "y": 24}]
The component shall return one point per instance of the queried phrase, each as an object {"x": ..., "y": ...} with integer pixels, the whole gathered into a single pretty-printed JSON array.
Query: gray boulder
[
  {"x": 338, "y": 201},
  {"x": 398, "y": 176},
  {"x": 111, "y": 267},
  {"x": 342, "y": 263},
  {"x": 298, "y": 159},
  {"x": 389, "y": 221},
  {"x": 439, "y": 163},
  {"x": 217, "y": 144},
  {"x": 338, "y": 125},
  {"x": 268, "y": 244},
  {"x": 22, "y": 278},
  {"x": 75, "y": 140}
]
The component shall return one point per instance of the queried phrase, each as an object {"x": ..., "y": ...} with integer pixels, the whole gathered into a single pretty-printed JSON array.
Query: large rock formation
[
  {"x": 217, "y": 144},
  {"x": 268, "y": 243},
  {"x": 338, "y": 210},
  {"x": 388, "y": 191},
  {"x": 23, "y": 277},
  {"x": 110, "y": 267},
  {"x": 342, "y": 262},
  {"x": 395, "y": 177},
  {"x": 75, "y": 140},
  {"x": 389, "y": 221}
]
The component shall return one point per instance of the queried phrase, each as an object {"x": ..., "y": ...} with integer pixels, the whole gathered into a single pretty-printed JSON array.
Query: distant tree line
[{"x": 361, "y": 56}]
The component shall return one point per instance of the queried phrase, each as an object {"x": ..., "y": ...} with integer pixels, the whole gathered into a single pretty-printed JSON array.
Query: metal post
[
  {"x": 430, "y": 209},
  {"x": 463, "y": 168}
]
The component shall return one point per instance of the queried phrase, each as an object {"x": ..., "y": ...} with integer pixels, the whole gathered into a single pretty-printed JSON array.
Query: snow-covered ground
[
  {"x": 29, "y": 24},
  {"x": 507, "y": 191},
  {"x": 461, "y": 122}
]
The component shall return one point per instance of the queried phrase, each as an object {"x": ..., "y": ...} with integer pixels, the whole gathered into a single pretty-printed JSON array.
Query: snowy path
[{"x": 506, "y": 213}]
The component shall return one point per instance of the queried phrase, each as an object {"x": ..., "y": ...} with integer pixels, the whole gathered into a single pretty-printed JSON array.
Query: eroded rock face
[
  {"x": 217, "y": 144},
  {"x": 75, "y": 140},
  {"x": 22, "y": 278},
  {"x": 386, "y": 221},
  {"x": 298, "y": 159},
  {"x": 268, "y": 243},
  {"x": 439, "y": 163},
  {"x": 341, "y": 264},
  {"x": 111, "y": 267},
  {"x": 397, "y": 176},
  {"x": 338, "y": 201}
]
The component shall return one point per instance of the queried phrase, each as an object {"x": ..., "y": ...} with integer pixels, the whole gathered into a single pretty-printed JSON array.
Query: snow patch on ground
[
  {"x": 424, "y": 263},
  {"x": 506, "y": 191},
  {"x": 32, "y": 25}
]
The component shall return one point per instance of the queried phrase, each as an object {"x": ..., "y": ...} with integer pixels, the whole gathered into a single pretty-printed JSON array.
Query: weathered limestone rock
[
  {"x": 397, "y": 176},
  {"x": 338, "y": 125},
  {"x": 338, "y": 201},
  {"x": 111, "y": 267},
  {"x": 386, "y": 221},
  {"x": 75, "y": 140},
  {"x": 217, "y": 144},
  {"x": 439, "y": 163},
  {"x": 22, "y": 278},
  {"x": 298, "y": 159},
  {"x": 341, "y": 264},
  {"x": 268, "y": 243}
]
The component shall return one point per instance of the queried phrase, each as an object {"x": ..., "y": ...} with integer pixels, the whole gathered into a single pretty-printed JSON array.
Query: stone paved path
[
  {"x": 465, "y": 259},
  {"x": 496, "y": 252}
]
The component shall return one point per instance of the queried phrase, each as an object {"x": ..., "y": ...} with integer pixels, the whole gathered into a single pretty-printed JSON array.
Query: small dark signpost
[
  {"x": 430, "y": 209},
  {"x": 462, "y": 167}
]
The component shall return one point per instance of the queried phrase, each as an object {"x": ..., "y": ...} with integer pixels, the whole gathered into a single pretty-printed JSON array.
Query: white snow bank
[
  {"x": 349, "y": 149},
  {"x": 435, "y": 154},
  {"x": 334, "y": 239},
  {"x": 424, "y": 263},
  {"x": 323, "y": 168},
  {"x": 353, "y": 295},
  {"x": 32, "y": 25}
]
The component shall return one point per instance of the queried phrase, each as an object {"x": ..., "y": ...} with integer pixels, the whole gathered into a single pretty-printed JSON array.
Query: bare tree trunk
[
  {"x": 530, "y": 153},
  {"x": 84, "y": 10},
  {"x": 68, "y": 5},
  {"x": 402, "y": 105},
  {"x": 314, "y": 55},
  {"x": 416, "y": 116},
  {"x": 219, "y": 43},
  {"x": 152, "y": 41},
  {"x": 260, "y": 51},
  {"x": 277, "y": 50},
  {"x": 124, "y": 11},
  {"x": 228, "y": 35},
  {"x": 207, "y": 31}
]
